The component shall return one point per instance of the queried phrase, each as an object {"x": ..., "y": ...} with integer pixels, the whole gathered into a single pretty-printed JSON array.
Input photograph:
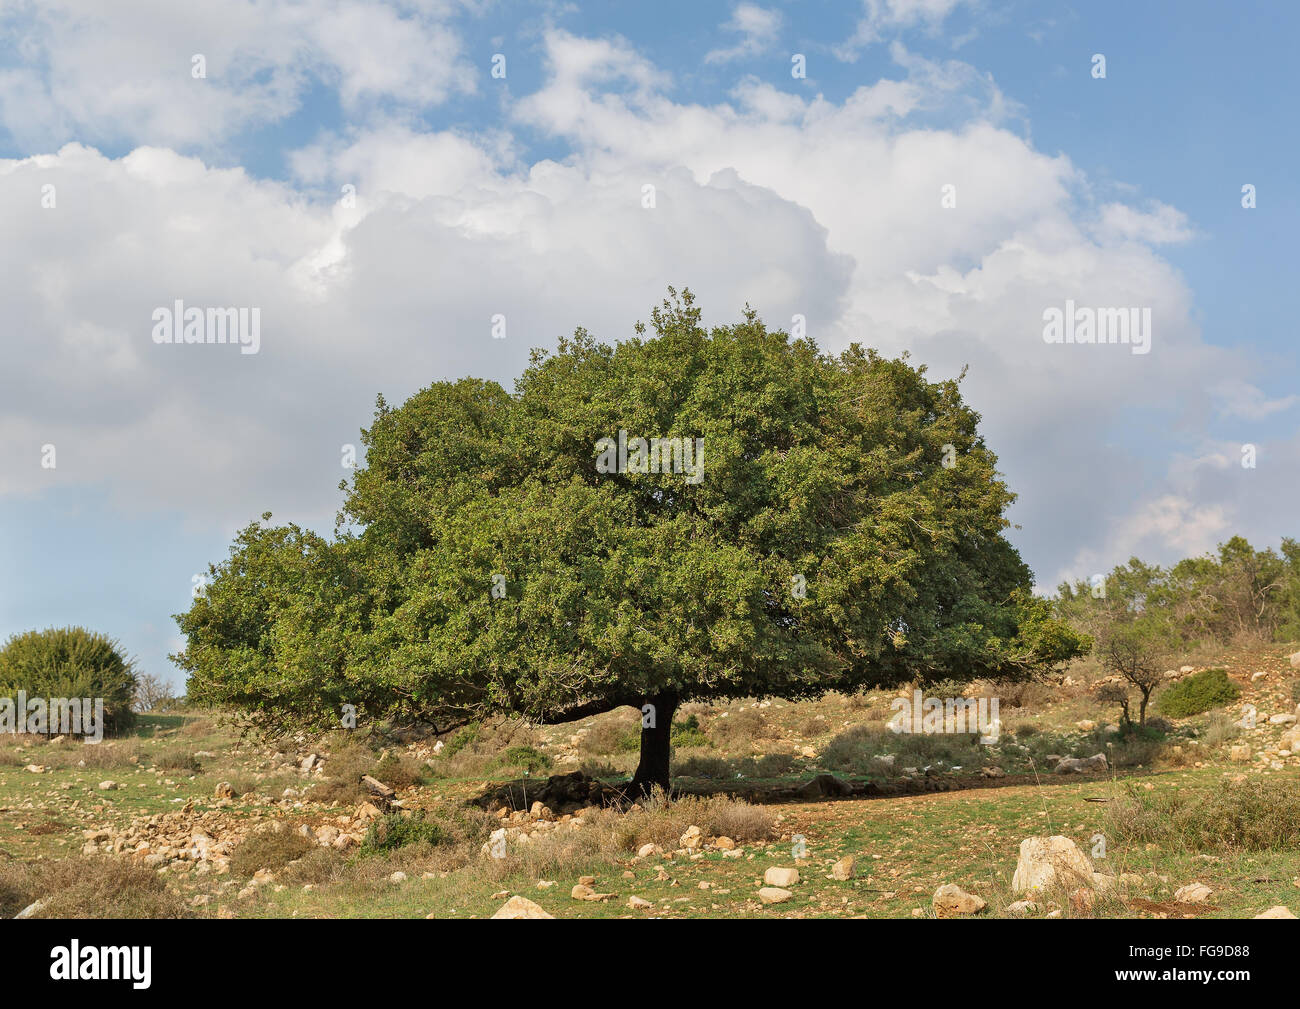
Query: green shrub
[
  {"x": 71, "y": 662},
  {"x": 463, "y": 738},
  {"x": 687, "y": 733},
  {"x": 1199, "y": 692},
  {"x": 393, "y": 831},
  {"x": 528, "y": 757}
]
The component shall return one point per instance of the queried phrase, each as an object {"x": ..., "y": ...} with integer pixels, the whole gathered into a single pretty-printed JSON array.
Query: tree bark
[{"x": 656, "y": 746}]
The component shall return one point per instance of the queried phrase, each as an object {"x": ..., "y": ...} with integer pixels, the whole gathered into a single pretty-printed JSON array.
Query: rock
[
  {"x": 1022, "y": 907},
  {"x": 781, "y": 877},
  {"x": 308, "y": 762},
  {"x": 1187, "y": 669},
  {"x": 584, "y": 892},
  {"x": 692, "y": 839},
  {"x": 1281, "y": 719},
  {"x": 397, "y": 877},
  {"x": 1085, "y": 725},
  {"x": 647, "y": 850},
  {"x": 993, "y": 772},
  {"x": 521, "y": 907},
  {"x": 950, "y": 900},
  {"x": 843, "y": 869},
  {"x": 224, "y": 790},
  {"x": 1256, "y": 677},
  {"x": 724, "y": 843},
  {"x": 1276, "y": 912},
  {"x": 1193, "y": 893},
  {"x": 1081, "y": 901},
  {"x": 773, "y": 895},
  {"x": 1295, "y": 660},
  {"x": 31, "y": 910},
  {"x": 1046, "y": 862},
  {"x": 35, "y": 768},
  {"x": 1081, "y": 765},
  {"x": 824, "y": 785},
  {"x": 587, "y": 880},
  {"x": 639, "y": 903},
  {"x": 327, "y": 835},
  {"x": 108, "y": 786},
  {"x": 1240, "y": 753}
]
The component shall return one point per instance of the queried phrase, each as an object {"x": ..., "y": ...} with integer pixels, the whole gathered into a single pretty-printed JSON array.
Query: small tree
[
  {"x": 1114, "y": 693},
  {"x": 152, "y": 693},
  {"x": 1136, "y": 650}
]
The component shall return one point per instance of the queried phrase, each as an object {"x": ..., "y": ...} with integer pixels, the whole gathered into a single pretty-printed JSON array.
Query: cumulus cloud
[
  {"x": 124, "y": 73},
  {"x": 948, "y": 243}
]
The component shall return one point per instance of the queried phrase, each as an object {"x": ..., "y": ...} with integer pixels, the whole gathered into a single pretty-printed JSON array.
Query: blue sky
[{"x": 817, "y": 196}]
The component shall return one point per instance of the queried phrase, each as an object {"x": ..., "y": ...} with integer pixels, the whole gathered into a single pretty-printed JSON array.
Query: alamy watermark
[
  {"x": 947, "y": 715},
  {"x": 179, "y": 324},
  {"x": 654, "y": 455},
  {"x": 1130, "y": 326},
  {"x": 64, "y": 716}
]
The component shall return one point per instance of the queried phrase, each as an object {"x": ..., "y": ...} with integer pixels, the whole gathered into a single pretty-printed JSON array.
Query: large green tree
[{"x": 843, "y": 528}]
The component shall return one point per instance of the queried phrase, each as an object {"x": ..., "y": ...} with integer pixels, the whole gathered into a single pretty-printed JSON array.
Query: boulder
[
  {"x": 521, "y": 907},
  {"x": 773, "y": 895},
  {"x": 782, "y": 877},
  {"x": 951, "y": 901},
  {"x": 1081, "y": 765},
  {"x": 1047, "y": 862},
  {"x": 1278, "y": 911}
]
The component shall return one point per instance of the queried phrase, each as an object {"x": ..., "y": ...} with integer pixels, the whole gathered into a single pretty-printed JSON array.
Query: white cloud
[
  {"x": 758, "y": 27},
  {"x": 796, "y": 205},
  {"x": 881, "y": 17},
  {"x": 122, "y": 72}
]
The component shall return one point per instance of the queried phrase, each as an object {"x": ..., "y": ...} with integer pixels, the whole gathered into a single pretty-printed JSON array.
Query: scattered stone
[
  {"x": 774, "y": 895},
  {"x": 584, "y": 892},
  {"x": 1193, "y": 893},
  {"x": 781, "y": 877},
  {"x": 521, "y": 907},
  {"x": 843, "y": 869},
  {"x": 224, "y": 790},
  {"x": 639, "y": 903},
  {"x": 950, "y": 900}
]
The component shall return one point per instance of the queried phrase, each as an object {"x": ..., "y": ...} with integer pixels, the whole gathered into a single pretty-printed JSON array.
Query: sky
[{"x": 940, "y": 175}]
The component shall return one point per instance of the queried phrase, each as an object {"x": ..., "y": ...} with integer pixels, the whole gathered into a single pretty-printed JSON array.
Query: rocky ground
[{"x": 834, "y": 825}]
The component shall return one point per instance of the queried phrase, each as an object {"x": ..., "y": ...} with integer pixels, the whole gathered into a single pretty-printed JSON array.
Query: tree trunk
[{"x": 656, "y": 745}]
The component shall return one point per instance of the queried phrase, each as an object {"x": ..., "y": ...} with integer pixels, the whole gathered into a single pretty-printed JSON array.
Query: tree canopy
[{"x": 843, "y": 529}]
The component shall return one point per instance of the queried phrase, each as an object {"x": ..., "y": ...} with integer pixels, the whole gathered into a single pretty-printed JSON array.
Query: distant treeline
[{"x": 1238, "y": 596}]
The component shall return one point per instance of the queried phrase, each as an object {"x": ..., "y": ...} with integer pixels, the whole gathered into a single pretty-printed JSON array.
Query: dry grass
[
  {"x": 81, "y": 887},
  {"x": 269, "y": 849}
]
